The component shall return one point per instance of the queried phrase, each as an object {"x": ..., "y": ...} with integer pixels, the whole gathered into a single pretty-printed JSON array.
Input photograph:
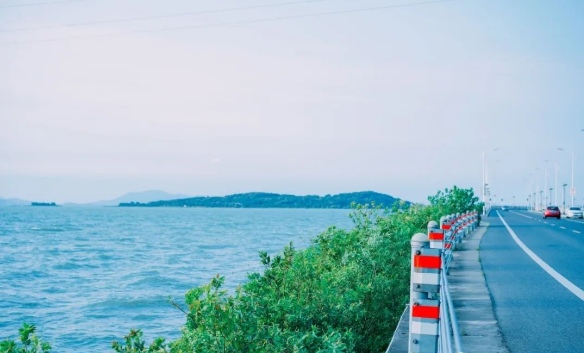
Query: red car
[{"x": 552, "y": 211}]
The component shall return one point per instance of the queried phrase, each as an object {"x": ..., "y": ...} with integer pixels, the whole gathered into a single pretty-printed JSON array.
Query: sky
[{"x": 288, "y": 96}]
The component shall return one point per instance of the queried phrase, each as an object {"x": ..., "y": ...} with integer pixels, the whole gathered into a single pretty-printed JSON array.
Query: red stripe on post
[
  {"x": 426, "y": 312},
  {"x": 436, "y": 236},
  {"x": 427, "y": 261},
  {"x": 446, "y": 226}
]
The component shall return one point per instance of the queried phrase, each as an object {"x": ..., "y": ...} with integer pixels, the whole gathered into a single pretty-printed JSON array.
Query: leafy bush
[
  {"x": 456, "y": 200},
  {"x": 134, "y": 344},
  {"x": 344, "y": 293},
  {"x": 29, "y": 342}
]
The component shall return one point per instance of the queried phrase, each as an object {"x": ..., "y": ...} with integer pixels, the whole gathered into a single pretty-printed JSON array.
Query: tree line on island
[
  {"x": 271, "y": 200},
  {"x": 43, "y": 204}
]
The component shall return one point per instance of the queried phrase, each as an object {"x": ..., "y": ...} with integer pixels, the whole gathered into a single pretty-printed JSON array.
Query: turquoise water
[{"x": 86, "y": 276}]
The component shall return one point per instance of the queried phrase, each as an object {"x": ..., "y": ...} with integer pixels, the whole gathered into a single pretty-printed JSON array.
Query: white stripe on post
[
  {"x": 436, "y": 244},
  {"x": 426, "y": 278},
  {"x": 424, "y": 328}
]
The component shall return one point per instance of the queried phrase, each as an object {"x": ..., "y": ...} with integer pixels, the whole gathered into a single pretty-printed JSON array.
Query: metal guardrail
[{"x": 433, "y": 326}]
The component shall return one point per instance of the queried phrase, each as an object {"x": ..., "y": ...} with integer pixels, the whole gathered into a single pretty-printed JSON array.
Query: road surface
[{"x": 535, "y": 271}]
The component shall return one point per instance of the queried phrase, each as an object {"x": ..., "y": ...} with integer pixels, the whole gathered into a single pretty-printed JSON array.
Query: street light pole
[
  {"x": 551, "y": 195},
  {"x": 571, "y": 192},
  {"x": 484, "y": 186},
  {"x": 536, "y": 193},
  {"x": 564, "y": 197},
  {"x": 545, "y": 185},
  {"x": 533, "y": 201},
  {"x": 556, "y": 185}
]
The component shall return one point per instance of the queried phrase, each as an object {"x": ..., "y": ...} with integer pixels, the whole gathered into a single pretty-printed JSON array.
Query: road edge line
[{"x": 547, "y": 268}]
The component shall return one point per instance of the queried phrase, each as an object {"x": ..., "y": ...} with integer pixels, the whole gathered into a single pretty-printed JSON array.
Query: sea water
[{"x": 85, "y": 276}]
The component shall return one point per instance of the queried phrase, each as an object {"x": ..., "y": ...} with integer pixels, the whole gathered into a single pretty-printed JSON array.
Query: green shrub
[
  {"x": 343, "y": 293},
  {"x": 29, "y": 342},
  {"x": 134, "y": 344}
]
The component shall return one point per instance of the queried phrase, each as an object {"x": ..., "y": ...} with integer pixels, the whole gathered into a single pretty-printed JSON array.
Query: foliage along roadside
[
  {"x": 28, "y": 342},
  {"x": 343, "y": 293}
]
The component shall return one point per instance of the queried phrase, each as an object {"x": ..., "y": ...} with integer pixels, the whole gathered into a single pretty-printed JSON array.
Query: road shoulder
[{"x": 472, "y": 299}]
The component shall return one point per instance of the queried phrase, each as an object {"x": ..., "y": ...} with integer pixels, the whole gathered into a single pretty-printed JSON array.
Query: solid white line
[
  {"x": 522, "y": 215},
  {"x": 547, "y": 268}
]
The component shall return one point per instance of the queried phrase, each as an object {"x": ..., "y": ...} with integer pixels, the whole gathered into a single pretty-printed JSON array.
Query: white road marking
[
  {"x": 547, "y": 268},
  {"x": 522, "y": 215},
  {"x": 545, "y": 222},
  {"x": 553, "y": 225},
  {"x": 562, "y": 227},
  {"x": 575, "y": 231}
]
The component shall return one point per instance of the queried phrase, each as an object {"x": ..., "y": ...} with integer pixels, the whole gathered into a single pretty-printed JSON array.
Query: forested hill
[{"x": 269, "y": 200}]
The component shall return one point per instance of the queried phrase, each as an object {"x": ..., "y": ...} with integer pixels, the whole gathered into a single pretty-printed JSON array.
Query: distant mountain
[
  {"x": 269, "y": 200},
  {"x": 141, "y": 197},
  {"x": 13, "y": 202}
]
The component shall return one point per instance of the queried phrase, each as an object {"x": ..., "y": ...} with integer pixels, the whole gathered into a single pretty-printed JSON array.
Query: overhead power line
[
  {"x": 233, "y": 23},
  {"x": 143, "y": 18},
  {"x": 40, "y": 3}
]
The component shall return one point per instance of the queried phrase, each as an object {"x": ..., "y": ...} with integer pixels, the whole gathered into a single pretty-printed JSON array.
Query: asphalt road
[{"x": 536, "y": 312}]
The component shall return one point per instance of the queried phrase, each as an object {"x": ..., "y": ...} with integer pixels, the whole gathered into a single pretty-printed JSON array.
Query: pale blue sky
[{"x": 400, "y": 100}]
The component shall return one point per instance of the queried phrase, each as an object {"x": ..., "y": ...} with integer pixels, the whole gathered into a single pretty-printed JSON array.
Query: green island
[
  {"x": 343, "y": 293},
  {"x": 271, "y": 200},
  {"x": 51, "y": 204}
]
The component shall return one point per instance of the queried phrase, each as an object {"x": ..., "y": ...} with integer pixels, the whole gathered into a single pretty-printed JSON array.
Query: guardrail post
[
  {"x": 458, "y": 231},
  {"x": 435, "y": 235},
  {"x": 424, "y": 300},
  {"x": 463, "y": 225}
]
